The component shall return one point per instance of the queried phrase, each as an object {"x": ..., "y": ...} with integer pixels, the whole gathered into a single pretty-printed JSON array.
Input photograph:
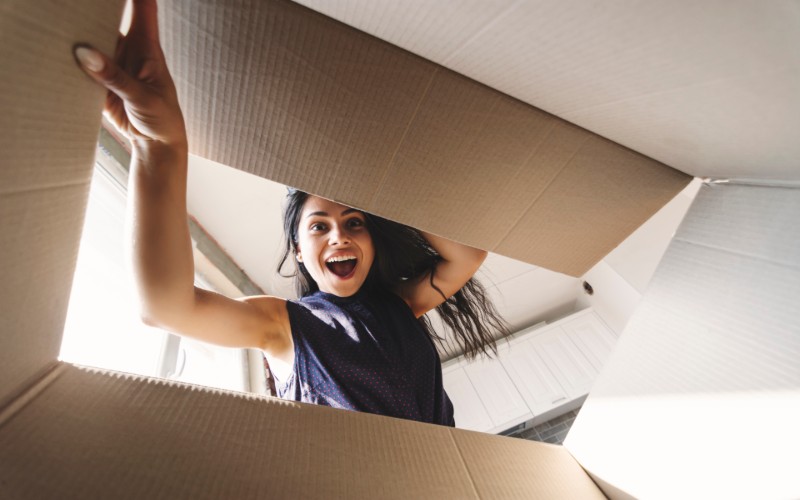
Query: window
[{"x": 102, "y": 327}]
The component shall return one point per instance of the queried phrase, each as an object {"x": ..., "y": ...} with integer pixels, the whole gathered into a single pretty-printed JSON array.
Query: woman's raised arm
[
  {"x": 459, "y": 263},
  {"x": 143, "y": 104}
]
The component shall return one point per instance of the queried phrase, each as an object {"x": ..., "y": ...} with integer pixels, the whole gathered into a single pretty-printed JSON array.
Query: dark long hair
[{"x": 401, "y": 254}]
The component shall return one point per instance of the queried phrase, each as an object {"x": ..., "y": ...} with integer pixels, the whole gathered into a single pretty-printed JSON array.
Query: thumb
[{"x": 108, "y": 74}]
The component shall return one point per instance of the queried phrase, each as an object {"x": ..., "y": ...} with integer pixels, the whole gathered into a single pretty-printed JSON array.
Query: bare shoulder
[
  {"x": 278, "y": 344},
  {"x": 273, "y": 308}
]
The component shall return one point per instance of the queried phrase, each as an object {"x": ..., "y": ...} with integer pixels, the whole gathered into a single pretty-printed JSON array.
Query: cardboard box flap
[
  {"x": 701, "y": 397},
  {"x": 48, "y": 132},
  {"x": 709, "y": 88},
  {"x": 283, "y": 92},
  {"x": 512, "y": 468},
  {"x": 98, "y": 434}
]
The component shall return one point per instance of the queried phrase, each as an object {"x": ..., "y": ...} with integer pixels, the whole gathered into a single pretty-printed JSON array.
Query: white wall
[
  {"x": 701, "y": 397},
  {"x": 621, "y": 278}
]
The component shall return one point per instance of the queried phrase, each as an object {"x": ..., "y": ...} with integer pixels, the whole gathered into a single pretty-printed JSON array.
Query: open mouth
[{"x": 343, "y": 267}]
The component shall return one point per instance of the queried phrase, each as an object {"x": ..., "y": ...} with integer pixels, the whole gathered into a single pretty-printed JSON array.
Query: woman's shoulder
[
  {"x": 264, "y": 301},
  {"x": 273, "y": 307}
]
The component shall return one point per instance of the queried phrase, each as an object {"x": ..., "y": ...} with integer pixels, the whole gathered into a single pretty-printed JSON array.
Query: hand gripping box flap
[{"x": 278, "y": 90}]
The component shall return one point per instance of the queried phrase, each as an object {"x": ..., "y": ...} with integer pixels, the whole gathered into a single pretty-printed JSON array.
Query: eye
[
  {"x": 318, "y": 226},
  {"x": 355, "y": 222}
]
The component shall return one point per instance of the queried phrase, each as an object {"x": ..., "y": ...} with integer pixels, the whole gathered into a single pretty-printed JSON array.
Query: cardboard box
[
  {"x": 713, "y": 350},
  {"x": 330, "y": 110}
]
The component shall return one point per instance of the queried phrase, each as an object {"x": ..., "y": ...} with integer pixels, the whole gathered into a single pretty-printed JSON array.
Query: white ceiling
[{"x": 709, "y": 87}]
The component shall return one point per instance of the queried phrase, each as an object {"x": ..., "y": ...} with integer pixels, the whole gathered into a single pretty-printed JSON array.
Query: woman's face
[{"x": 334, "y": 245}]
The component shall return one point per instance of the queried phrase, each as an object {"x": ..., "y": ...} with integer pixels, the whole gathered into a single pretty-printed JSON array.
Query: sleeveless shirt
[{"x": 368, "y": 353}]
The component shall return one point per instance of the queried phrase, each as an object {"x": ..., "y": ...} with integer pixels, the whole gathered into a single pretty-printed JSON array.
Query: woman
[{"x": 352, "y": 340}]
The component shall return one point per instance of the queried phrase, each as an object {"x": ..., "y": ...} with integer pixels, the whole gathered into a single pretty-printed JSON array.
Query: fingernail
[{"x": 89, "y": 59}]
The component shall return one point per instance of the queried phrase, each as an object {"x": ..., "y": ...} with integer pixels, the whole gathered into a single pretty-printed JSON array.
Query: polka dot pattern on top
[{"x": 365, "y": 353}]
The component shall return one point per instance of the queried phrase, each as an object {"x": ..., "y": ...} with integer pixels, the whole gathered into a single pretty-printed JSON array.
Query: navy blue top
[{"x": 366, "y": 352}]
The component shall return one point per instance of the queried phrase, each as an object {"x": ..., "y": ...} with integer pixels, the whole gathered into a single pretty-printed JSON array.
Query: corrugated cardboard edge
[
  {"x": 16, "y": 402},
  {"x": 99, "y": 433}
]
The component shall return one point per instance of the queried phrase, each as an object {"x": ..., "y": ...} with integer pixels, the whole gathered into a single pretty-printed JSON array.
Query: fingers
[
  {"x": 114, "y": 111},
  {"x": 145, "y": 20},
  {"x": 108, "y": 74}
]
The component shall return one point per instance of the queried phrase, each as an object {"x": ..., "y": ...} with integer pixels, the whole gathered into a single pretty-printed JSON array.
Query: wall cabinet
[
  {"x": 533, "y": 366},
  {"x": 470, "y": 413},
  {"x": 498, "y": 392},
  {"x": 535, "y": 372}
]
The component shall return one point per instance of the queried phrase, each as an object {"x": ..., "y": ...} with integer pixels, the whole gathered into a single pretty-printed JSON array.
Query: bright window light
[{"x": 103, "y": 328}]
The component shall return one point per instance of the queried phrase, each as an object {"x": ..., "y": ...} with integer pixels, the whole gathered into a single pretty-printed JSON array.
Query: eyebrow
[{"x": 325, "y": 214}]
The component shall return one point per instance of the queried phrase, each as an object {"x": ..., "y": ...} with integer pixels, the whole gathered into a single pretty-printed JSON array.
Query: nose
[{"x": 338, "y": 235}]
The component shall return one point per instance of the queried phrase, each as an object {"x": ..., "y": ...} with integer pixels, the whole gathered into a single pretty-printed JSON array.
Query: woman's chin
[{"x": 341, "y": 292}]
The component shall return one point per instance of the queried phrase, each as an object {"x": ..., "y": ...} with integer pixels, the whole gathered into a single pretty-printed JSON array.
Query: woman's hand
[
  {"x": 457, "y": 265},
  {"x": 141, "y": 101}
]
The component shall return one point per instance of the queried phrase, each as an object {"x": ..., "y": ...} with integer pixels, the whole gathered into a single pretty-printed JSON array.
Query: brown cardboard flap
[
  {"x": 278, "y": 90},
  {"x": 96, "y": 434},
  {"x": 515, "y": 468},
  {"x": 48, "y": 131}
]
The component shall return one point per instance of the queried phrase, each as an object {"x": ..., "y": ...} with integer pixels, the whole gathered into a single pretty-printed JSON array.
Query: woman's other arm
[
  {"x": 143, "y": 104},
  {"x": 457, "y": 265}
]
